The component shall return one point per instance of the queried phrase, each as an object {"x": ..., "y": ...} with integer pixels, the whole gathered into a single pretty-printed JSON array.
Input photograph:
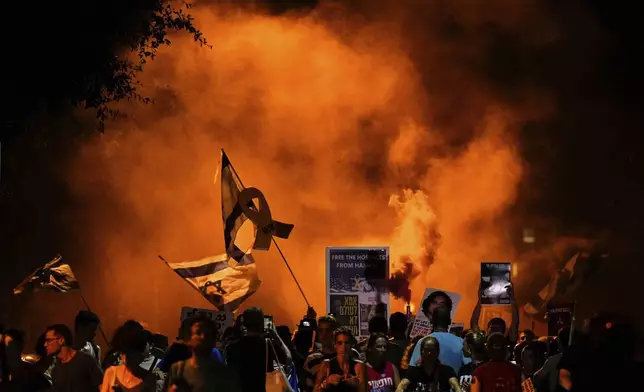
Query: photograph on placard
[{"x": 495, "y": 279}]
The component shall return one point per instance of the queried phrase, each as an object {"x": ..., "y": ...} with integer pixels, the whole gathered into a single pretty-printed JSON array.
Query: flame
[{"x": 341, "y": 129}]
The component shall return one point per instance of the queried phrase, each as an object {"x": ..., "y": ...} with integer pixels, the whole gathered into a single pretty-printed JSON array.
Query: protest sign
[
  {"x": 222, "y": 320},
  {"x": 559, "y": 316},
  {"x": 422, "y": 325},
  {"x": 351, "y": 297}
]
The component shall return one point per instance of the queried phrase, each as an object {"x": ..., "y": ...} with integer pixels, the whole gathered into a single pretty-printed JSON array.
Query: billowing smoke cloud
[{"x": 361, "y": 128}]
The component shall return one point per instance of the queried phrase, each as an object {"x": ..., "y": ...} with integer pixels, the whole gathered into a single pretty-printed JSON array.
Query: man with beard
[
  {"x": 74, "y": 370},
  {"x": 325, "y": 327},
  {"x": 202, "y": 372}
]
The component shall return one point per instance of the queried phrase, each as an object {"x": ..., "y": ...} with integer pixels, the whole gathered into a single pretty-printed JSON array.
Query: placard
[
  {"x": 495, "y": 277},
  {"x": 222, "y": 320},
  {"x": 351, "y": 297},
  {"x": 422, "y": 326},
  {"x": 559, "y": 316}
]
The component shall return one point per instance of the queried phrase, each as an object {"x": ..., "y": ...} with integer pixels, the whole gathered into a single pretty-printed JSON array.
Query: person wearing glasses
[
  {"x": 74, "y": 370},
  {"x": 342, "y": 373}
]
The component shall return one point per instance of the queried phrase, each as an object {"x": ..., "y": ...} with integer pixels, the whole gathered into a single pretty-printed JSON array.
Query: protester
[
  {"x": 533, "y": 357},
  {"x": 85, "y": 326},
  {"x": 74, "y": 370},
  {"x": 46, "y": 362},
  {"x": 602, "y": 359},
  {"x": 202, "y": 372},
  {"x": 430, "y": 374},
  {"x": 21, "y": 375},
  {"x": 451, "y": 353},
  {"x": 254, "y": 354},
  {"x": 546, "y": 379},
  {"x": 326, "y": 325},
  {"x": 342, "y": 373},
  {"x": 398, "y": 328},
  {"x": 527, "y": 336},
  {"x": 179, "y": 350},
  {"x": 497, "y": 324},
  {"x": 284, "y": 333},
  {"x": 382, "y": 375},
  {"x": 378, "y": 325},
  {"x": 129, "y": 375},
  {"x": 405, "y": 362},
  {"x": 497, "y": 375},
  {"x": 474, "y": 348}
]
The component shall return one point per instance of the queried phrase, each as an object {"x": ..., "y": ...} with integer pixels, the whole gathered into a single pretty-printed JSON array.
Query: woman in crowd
[
  {"x": 129, "y": 376},
  {"x": 430, "y": 375},
  {"x": 382, "y": 375},
  {"x": 342, "y": 373}
]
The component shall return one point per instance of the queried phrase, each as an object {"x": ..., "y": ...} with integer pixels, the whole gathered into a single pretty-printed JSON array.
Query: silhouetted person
[
  {"x": 202, "y": 372},
  {"x": 249, "y": 357},
  {"x": 85, "y": 326},
  {"x": 129, "y": 376}
]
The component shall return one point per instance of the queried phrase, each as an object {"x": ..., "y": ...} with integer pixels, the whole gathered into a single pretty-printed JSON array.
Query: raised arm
[
  {"x": 513, "y": 331},
  {"x": 476, "y": 313},
  {"x": 321, "y": 376},
  {"x": 361, "y": 374}
]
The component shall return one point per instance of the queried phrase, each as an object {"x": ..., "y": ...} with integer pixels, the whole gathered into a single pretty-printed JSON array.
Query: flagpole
[
  {"x": 274, "y": 242},
  {"x": 99, "y": 325},
  {"x": 572, "y": 324}
]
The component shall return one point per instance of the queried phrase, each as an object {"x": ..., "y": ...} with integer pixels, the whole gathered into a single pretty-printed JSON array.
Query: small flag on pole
[{"x": 54, "y": 276}]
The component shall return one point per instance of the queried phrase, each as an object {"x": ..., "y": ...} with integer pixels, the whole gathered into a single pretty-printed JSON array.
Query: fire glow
[{"x": 340, "y": 135}]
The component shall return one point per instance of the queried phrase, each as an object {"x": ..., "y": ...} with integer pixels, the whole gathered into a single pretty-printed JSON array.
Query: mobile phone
[{"x": 268, "y": 322}]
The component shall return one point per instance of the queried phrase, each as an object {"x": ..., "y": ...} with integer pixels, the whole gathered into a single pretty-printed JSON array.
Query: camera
[{"x": 307, "y": 324}]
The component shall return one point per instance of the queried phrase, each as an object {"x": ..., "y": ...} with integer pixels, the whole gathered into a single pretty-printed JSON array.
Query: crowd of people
[{"x": 324, "y": 356}]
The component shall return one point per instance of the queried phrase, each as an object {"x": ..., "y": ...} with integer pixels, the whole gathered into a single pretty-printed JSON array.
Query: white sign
[
  {"x": 222, "y": 320},
  {"x": 422, "y": 325}
]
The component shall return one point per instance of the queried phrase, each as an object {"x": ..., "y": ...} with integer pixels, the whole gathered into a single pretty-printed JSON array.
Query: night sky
[{"x": 585, "y": 162}]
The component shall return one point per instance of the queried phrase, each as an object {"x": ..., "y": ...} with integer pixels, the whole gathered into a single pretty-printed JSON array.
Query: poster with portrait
[
  {"x": 351, "y": 297},
  {"x": 422, "y": 326},
  {"x": 495, "y": 278}
]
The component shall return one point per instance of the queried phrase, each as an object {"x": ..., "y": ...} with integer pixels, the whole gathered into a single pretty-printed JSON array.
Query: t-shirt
[
  {"x": 451, "y": 351},
  {"x": 80, "y": 374},
  {"x": 417, "y": 376},
  {"x": 381, "y": 381},
  {"x": 465, "y": 375},
  {"x": 211, "y": 376},
  {"x": 498, "y": 377}
]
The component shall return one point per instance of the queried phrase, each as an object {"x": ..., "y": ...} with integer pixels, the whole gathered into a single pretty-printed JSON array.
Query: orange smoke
[{"x": 338, "y": 130}]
